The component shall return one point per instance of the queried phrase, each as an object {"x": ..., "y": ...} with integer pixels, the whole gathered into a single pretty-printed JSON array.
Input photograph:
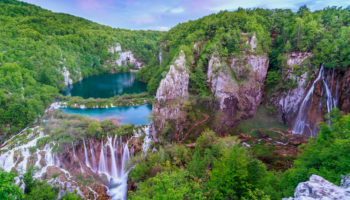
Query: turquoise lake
[
  {"x": 106, "y": 85},
  {"x": 137, "y": 115}
]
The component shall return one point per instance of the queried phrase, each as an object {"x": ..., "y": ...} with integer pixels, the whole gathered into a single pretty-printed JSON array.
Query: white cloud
[{"x": 177, "y": 10}]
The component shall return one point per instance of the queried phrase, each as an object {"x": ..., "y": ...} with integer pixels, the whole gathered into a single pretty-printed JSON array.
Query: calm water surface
[
  {"x": 137, "y": 115},
  {"x": 106, "y": 85}
]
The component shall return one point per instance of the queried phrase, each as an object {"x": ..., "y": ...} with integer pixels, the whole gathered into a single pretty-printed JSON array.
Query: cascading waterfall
[
  {"x": 93, "y": 158},
  {"x": 116, "y": 174},
  {"x": 109, "y": 161},
  {"x": 87, "y": 163},
  {"x": 102, "y": 168},
  {"x": 301, "y": 124}
]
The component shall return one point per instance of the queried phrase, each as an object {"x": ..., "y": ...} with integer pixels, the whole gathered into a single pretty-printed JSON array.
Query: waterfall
[
  {"x": 93, "y": 158},
  {"x": 102, "y": 169},
  {"x": 74, "y": 154},
  {"x": 114, "y": 169},
  {"x": 301, "y": 124},
  {"x": 87, "y": 163}
]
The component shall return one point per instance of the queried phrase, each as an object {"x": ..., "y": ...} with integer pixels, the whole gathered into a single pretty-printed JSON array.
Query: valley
[{"x": 244, "y": 104}]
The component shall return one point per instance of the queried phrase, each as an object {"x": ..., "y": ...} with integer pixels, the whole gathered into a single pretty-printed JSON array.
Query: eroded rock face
[
  {"x": 289, "y": 102},
  {"x": 67, "y": 79},
  {"x": 238, "y": 86},
  {"x": 171, "y": 95},
  {"x": 344, "y": 92},
  {"x": 125, "y": 57},
  {"x": 319, "y": 188}
]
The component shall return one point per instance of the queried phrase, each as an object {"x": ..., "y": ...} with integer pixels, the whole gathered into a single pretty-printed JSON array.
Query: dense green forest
[
  {"x": 35, "y": 45},
  {"x": 325, "y": 33},
  {"x": 219, "y": 168}
]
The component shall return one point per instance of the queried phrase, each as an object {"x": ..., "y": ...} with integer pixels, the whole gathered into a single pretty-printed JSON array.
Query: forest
[
  {"x": 36, "y": 44},
  {"x": 325, "y": 33}
]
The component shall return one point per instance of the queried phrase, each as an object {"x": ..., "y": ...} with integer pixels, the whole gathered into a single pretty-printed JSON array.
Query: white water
[
  {"x": 111, "y": 162},
  {"x": 301, "y": 124},
  {"x": 93, "y": 158}
]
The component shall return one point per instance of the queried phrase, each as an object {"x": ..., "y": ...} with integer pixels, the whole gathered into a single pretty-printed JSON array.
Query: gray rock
[
  {"x": 171, "y": 95},
  {"x": 321, "y": 189}
]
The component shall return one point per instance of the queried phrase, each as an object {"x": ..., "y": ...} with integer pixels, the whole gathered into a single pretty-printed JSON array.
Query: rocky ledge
[{"x": 319, "y": 188}]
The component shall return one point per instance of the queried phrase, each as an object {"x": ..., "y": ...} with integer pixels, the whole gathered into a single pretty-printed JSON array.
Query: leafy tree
[{"x": 8, "y": 189}]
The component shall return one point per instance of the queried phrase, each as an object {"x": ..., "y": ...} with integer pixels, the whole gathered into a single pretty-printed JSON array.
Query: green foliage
[
  {"x": 327, "y": 155},
  {"x": 217, "y": 168},
  {"x": 167, "y": 186},
  {"x": 38, "y": 190},
  {"x": 70, "y": 196},
  {"x": 8, "y": 189},
  {"x": 35, "y": 46}
]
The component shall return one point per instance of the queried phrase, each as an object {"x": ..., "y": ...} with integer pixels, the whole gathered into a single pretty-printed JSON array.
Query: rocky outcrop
[
  {"x": 67, "y": 79},
  {"x": 125, "y": 57},
  {"x": 318, "y": 188},
  {"x": 171, "y": 95},
  {"x": 344, "y": 92},
  {"x": 289, "y": 102},
  {"x": 237, "y": 86}
]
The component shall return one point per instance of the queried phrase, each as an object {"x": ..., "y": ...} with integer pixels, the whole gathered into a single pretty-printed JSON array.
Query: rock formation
[
  {"x": 125, "y": 57},
  {"x": 289, "y": 102},
  {"x": 237, "y": 86},
  {"x": 67, "y": 79},
  {"x": 318, "y": 188},
  {"x": 171, "y": 95}
]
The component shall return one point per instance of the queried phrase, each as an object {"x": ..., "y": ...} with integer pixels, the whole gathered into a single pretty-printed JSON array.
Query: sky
[{"x": 164, "y": 14}]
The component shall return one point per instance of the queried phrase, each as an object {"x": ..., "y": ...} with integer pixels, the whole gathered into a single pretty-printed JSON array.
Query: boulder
[{"x": 321, "y": 189}]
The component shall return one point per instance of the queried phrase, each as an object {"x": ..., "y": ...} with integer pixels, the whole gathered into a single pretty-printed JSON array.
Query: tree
[{"x": 8, "y": 189}]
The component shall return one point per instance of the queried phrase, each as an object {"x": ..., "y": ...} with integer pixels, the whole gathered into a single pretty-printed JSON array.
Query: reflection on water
[
  {"x": 137, "y": 115},
  {"x": 106, "y": 85}
]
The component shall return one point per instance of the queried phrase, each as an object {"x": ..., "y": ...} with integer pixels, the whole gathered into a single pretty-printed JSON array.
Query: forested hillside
[
  {"x": 36, "y": 45},
  {"x": 325, "y": 33}
]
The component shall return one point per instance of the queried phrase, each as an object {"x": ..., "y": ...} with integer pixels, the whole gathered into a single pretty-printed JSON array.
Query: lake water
[
  {"x": 137, "y": 115},
  {"x": 106, "y": 85}
]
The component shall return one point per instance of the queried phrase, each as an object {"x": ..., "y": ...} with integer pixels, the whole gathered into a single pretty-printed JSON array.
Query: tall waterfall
[
  {"x": 302, "y": 124},
  {"x": 115, "y": 169}
]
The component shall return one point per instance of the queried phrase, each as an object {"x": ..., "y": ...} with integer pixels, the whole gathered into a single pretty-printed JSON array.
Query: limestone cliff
[
  {"x": 237, "y": 86},
  {"x": 124, "y": 57},
  {"x": 288, "y": 103},
  {"x": 171, "y": 95},
  {"x": 319, "y": 188}
]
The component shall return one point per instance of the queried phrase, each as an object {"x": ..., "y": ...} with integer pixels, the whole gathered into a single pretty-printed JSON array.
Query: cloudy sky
[{"x": 164, "y": 14}]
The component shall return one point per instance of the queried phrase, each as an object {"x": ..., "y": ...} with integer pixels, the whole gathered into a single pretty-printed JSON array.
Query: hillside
[
  {"x": 38, "y": 48},
  {"x": 248, "y": 104}
]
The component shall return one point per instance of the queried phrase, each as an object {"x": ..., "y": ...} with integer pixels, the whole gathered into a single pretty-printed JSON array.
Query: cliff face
[
  {"x": 238, "y": 87},
  {"x": 319, "y": 188},
  {"x": 171, "y": 95},
  {"x": 124, "y": 57},
  {"x": 344, "y": 92},
  {"x": 288, "y": 103},
  {"x": 302, "y": 107}
]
